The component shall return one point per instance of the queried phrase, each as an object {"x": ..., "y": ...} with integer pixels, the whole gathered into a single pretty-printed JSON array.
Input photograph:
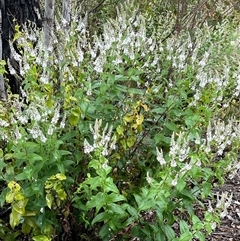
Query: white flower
[
  {"x": 55, "y": 117},
  {"x": 148, "y": 178},
  {"x": 160, "y": 157},
  {"x": 50, "y": 130},
  {"x": 175, "y": 181},
  {"x": 62, "y": 124},
  {"x": 3, "y": 123},
  {"x": 87, "y": 147}
]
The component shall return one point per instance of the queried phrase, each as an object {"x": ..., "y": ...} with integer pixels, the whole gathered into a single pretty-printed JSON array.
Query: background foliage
[{"x": 124, "y": 126}]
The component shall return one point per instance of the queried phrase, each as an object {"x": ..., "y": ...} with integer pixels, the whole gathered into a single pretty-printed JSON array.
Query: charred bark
[{"x": 16, "y": 12}]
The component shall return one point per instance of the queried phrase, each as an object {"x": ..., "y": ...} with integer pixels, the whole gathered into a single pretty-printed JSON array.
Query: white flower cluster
[
  {"x": 220, "y": 135},
  {"x": 101, "y": 139},
  {"x": 223, "y": 202},
  {"x": 36, "y": 118}
]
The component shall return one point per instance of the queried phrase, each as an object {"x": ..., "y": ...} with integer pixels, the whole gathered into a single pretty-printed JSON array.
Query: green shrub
[{"x": 121, "y": 136}]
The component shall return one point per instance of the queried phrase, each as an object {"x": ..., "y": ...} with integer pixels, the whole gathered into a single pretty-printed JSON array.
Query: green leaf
[
  {"x": 171, "y": 126},
  {"x": 146, "y": 204},
  {"x": 132, "y": 211},
  {"x": 197, "y": 223},
  {"x": 169, "y": 232},
  {"x": 187, "y": 236},
  {"x": 117, "y": 209},
  {"x": 188, "y": 194},
  {"x": 206, "y": 189},
  {"x": 104, "y": 216},
  {"x": 112, "y": 198},
  {"x": 162, "y": 139},
  {"x": 97, "y": 201},
  {"x": 158, "y": 110},
  {"x": 183, "y": 227},
  {"x": 109, "y": 186},
  {"x": 199, "y": 235},
  {"x": 41, "y": 238},
  {"x": 26, "y": 228},
  {"x": 180, "y": 185},
  {"x": 34, "y": 157}
]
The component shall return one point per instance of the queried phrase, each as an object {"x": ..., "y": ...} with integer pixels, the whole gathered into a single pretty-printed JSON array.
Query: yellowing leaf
[
  {"x": 41, "y": 238},
  {"x": 73, "y": 98},
  {"x": 10, "y": 197},
  {"x": 145, "y": 107},
  {"x": 130, "y": 141},
  {"x": 62, "y": 194},
  {"x": 13, "y": 185},
  {"x": 75, "y": 115},
  {"x": 19, "y": 206},
  {"x": 120, "y": 130},
  {"x": 18, "y": 196},
  {"x": 128, "y": 118},
  {"x": 61, "y": 176},
  {"x": 14, "y": 218},
  {"x": 49, "y": 200},
  {"x": 139, "y": 119}
]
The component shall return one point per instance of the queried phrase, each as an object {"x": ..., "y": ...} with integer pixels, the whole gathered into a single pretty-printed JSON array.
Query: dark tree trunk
[{"x": 16, "y": 12}]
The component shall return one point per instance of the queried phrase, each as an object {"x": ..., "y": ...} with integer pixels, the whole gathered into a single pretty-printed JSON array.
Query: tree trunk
[
  {"x": 16, "y": 12},
  {"x": 3, "y": 95},
  {"x": 66, "y": 13},
  {"x": 49, "y": 22}
]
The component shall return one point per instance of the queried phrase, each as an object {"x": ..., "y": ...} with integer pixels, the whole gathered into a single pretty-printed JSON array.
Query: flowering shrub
[{"x": 121, "y": 135}]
